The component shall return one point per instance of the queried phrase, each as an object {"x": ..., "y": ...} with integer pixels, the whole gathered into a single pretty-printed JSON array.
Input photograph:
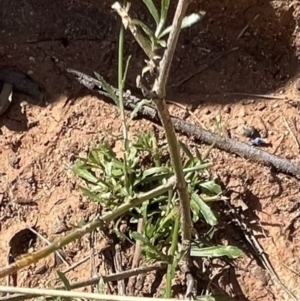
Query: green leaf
[
  {"x": 91, "y": 195},
  {"x": 149, "y": 245},
  {"x": 101, "y": 286},
  {"x": 186, "y": 150},
  {"x": 197, "y": 167},
  {"x": 145, "y": 28},
  {"x": 162, "y": 43},
  {"x": 155, "y": 170},
  {"x": 138, "y": 107},
  {"x": 152, "y": 9},
  {"x": 188, "y": 21},
  {"x": 65, "y": 281},
  {"x": 163, "y": 16},
  {"x": 212, "y": 187},
  {"x": 126, "y": 70},
  {"x": 108, "y": 88},
  {"x": 81, "y": 170},
  {"x": 216, "y": 251},
  {"x": 205, "y": 210}
]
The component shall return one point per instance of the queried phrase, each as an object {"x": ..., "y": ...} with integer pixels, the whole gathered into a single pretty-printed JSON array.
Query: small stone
[
  {"x": 276, "y": 105},
  {"x": 261, "y": 106},
  {"x": 207, "y": 111},
  {"x": 247, "y": 101},
  {"x": 59, "y": 226},
  {"x": 249, "y": 132},
  {"x": 227, "y": 109}
]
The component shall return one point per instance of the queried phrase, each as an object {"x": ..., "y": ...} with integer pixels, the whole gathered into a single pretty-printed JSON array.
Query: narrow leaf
[
  {"x": 152, "y": 9},
  {"x": 216, "y": 251},
  {"x": 212, "y": 187},
  {"x": 188, "y": 21},
  {"x": 108, "y": 88},
  {"x": 65, "y": 281},
  {"x": 80, "y": 170},
  {"x": 126, "y": 70},
  {"x": 205, "y": 210},
  {"x": 138, "y": 107},
  {"x": 186, "y": 150},
  {"x": 145, "y": 28},
  {"x": 155, "y": 170},
  {"x": 163, "y": 16}
]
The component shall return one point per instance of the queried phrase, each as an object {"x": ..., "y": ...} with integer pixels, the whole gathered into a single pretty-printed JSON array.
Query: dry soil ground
[{"x": 40, "y": 139}]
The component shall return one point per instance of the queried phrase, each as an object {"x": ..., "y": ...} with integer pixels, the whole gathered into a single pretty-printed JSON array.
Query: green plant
[
  {"x": 143, "y": 182},
  {"x": 112, "y": 180}
]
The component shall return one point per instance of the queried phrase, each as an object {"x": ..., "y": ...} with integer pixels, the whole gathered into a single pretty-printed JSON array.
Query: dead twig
[
  {"x": 290, "y": 131},
  {"x": 136, "y": 258},
  {"x": 119, "y": 268},
  {"x": 235, "y": 147},
  {"x": 246, "y": 27},
  {"x": 113, "y": 277},
  {"x": 266, "y": 96},
  {"x": 49, "y": 243},
  {"x": 92, "y": 257}
]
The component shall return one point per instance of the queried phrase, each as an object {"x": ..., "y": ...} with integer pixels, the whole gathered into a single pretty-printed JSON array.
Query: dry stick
[
  {"x": 235, "y": 147},
  {"x": 83, "y": 260},
  {"x": 290, "y": 130},
  {"x": 119, "y": 268},
  {"x": 136, "y": 258},
  {"x": 92, "y": 257},
  {"x": 242, "y": 149},
  {"x": 78, "y": 233},
  {"x": 48, "y": 243},
  {"x": 70, "y": 294},
  {"x": 113, "y": 277},
  {"x": 246, "y": 27}
]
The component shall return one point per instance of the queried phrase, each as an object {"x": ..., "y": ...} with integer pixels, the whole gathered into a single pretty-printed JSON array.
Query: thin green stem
[
  {"x": 172, "y": 266},
  {"x": 120, "y": 80},
  {"x": 121, "y": 83}
]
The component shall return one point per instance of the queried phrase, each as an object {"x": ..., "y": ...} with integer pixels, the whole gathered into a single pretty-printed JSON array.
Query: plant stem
[
  {"x": 165, "y": 63},
  {"x": 120, "y": 80},
  {"x": 186, "y": 221},
  {"x": 172, "y": 266},
  {"x": 77, "y": 234},
  {"x": 121, "y": 98},
  {"x": 160, "y": 89}
]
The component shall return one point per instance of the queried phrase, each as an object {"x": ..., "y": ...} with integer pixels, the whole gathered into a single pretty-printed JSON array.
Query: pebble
[
  {"x": 261, "y": 106},
  {"x": 249, "y": 132},
  {"x": 227, "y": 109},
  {"x": 247, "y": 101},
  {"x": 207, "y": 111}
]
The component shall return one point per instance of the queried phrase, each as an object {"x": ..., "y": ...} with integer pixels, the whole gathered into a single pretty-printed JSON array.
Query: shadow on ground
[{"x": 43, "y": 38}]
